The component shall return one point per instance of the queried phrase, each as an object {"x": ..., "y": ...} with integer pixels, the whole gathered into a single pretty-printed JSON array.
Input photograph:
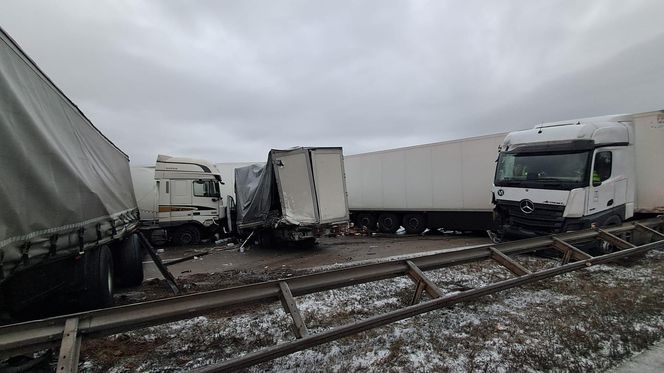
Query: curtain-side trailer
[
  {"x": 440, "y": 185},
  {"x": 67, "y": 203}
]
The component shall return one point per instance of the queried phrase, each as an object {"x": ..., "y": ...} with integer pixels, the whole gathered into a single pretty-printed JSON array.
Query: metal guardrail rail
[{"x": 69, "y": 330}]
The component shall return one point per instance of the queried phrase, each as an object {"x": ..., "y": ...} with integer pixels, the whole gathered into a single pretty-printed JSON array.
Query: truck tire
[
  {"x": 128, "y": 262},
  {"x": 603, "y": 247},
  {"x": 265, "y": 239},
  {"x": 187, "y": 235},
  {"x": 367, "y": 221},
  {"x": 98, "y": 276},
  {"x": 414, "y": 223},
  {"x": 388, "y": 223},
  {"x": 158, "y": 237}
]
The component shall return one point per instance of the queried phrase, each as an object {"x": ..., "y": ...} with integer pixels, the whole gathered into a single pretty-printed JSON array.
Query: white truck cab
[
  {"x": 181, "y": 198},
  {"x": 567, "y": 175}
]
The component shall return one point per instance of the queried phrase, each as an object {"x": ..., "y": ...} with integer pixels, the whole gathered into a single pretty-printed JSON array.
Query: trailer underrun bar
[{"x": 68, "y": 331}]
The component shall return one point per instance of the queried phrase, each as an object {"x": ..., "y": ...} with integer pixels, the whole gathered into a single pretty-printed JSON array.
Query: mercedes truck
[{"x": 568, "y": 175}]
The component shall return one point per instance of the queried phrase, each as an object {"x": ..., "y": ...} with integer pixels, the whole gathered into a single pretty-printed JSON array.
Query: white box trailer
[
  {"x": 68, "y": 207},
  {"x": 297, "y": 195},
  {"x": 440, "y": 185},
  {"x": 567, "y": 175}
]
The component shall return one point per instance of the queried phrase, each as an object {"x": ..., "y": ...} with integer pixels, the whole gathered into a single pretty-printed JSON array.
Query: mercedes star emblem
[{"x": 527, "y": 206}]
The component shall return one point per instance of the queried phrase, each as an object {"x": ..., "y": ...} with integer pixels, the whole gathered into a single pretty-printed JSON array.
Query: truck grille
[{"x": 545, "y": 218}]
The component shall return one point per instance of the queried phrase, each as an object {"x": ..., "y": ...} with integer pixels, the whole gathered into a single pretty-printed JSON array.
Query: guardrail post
[
  {"x": 569, "y": 251},
  {"x": 70, "y": 347},
  {"x": 168, "y": 276},
  {"x": 650, "y": 230},
  {"x": 507, "y": 262},
  {"x": 614, "y": 240},
  {"x": 290, "y": 306},
  {"x": 423, "y": 283}
]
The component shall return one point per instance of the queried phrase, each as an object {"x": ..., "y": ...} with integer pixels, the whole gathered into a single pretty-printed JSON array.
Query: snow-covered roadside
[{"x": 581, "y": 321}]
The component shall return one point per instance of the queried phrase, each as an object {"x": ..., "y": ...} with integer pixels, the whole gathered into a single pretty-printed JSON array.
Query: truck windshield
[{"x": 543, "y": 170}]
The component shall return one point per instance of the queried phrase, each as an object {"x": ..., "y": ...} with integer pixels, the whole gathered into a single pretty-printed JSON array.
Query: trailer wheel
[
  {"x": 414, "y": 223},
  {"x": 187, "y": 235},
  {"x": 98, "y": 286},
  {"x": 128, "y": 262},
  {"x": 367, "y": 221},
  {"x": 388, "y": 223}
]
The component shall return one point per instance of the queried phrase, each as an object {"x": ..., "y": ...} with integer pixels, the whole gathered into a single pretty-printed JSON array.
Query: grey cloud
[{"x": 228, "y": 80}]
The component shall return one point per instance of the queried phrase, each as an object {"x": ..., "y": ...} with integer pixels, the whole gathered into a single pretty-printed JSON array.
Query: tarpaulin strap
[
  {"x": 54, "y": 244},
  {"x": 98, "y": 229},
  {"x": 114, "y": 230},
  {"x": 24, "y": 253},
  {"x": 2, "y": 259},
  {"x": 81, "y": 241}
]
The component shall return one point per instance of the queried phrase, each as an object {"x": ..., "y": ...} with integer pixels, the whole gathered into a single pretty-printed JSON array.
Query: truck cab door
[
  {"x": 602, "y": 184},
  {"x": 206, "y": 200}
]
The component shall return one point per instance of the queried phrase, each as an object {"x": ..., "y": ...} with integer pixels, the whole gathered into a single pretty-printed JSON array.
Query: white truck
[
  {"x": 565, "y": 176},
  {"x": 440, "y": 185},
  {"x": 68, "y": 207},
  {"x": 298, "y": 194},
  {"x": 179, "y": 199}
]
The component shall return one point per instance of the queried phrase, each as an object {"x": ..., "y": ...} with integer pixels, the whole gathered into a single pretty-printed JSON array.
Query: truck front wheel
[
  {"x": 187, "y": 235},
  {"x": 98, "y": 286}
]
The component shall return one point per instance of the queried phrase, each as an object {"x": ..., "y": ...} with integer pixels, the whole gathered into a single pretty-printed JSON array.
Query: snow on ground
[{"x": 583, "y": 321}]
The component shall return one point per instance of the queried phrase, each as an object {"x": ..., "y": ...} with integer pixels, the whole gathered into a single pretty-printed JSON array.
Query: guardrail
[{"x": 69, "y": 330}]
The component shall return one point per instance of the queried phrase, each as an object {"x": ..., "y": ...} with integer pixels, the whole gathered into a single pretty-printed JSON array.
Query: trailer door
[
  {"x": 330, "y": 183},
  {"x": 296, "y": 187}
]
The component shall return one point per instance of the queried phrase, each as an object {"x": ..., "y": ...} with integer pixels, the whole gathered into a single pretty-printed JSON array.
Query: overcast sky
[{"x": 228, "y": 80}]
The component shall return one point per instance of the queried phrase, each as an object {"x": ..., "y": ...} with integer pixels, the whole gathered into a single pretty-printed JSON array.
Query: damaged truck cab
[
  {"x": 179, "y": 199},
  {"x": 566, "y": 176}
]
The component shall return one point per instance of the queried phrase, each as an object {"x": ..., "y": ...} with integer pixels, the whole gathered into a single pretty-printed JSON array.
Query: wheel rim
[
  {"x": 186, "y": 238},
  {"x": 413, "y": 223},
  {"x": 388, "y": 223},
  {"x": 109, "y": 281}
]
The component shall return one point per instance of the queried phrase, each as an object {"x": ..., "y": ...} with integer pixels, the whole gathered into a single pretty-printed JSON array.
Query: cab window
[
  {"x": 602, "y": 167},
  {"x": 206, "y": 188}
]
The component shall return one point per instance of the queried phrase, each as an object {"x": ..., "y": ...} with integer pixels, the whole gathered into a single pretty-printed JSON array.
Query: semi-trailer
[
  {"x": 68, "y": 206},
  {"x": 569, "y": 175},
  {"x": 441, "y": 185}
]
